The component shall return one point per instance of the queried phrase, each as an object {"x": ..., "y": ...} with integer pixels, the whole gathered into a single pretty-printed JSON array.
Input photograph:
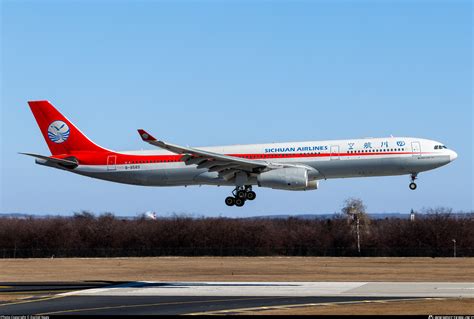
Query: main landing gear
[
  {"x": 413, "y": 184},
  {"x": 241, "y": 194}
]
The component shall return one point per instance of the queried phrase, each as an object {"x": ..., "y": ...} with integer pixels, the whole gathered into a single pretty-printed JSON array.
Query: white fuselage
[{"x": 329, "y": 159}]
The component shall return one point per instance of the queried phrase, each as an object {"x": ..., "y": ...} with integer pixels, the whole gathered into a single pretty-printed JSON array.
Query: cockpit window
[{"x": 439, "y": 147}]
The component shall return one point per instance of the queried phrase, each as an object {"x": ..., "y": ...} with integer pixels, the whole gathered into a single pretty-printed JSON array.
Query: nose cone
[{"x": 452, "y": 155}]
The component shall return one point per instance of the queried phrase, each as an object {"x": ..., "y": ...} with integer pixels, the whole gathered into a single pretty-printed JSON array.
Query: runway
[{"x": 219, "y": 297}]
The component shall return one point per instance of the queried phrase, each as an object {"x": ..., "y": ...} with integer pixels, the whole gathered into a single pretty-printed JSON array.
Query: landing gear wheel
[
  {"x": 230, "y": 201},
  {"x": 251, "y": 195},
  {"x": 413, "y": 179},
  {"x": 241, "y": 194},
  {"x": 239, "y": 202}
]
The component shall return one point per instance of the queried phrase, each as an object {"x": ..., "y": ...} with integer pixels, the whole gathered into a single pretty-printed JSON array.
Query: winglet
[{"x": 146, "y": 136}]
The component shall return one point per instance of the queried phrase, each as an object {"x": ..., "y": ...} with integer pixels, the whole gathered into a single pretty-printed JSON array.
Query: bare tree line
[{"x": 86, "y": 235}]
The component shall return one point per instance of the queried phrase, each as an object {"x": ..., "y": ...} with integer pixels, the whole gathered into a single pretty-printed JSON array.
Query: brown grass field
[
  {"x": 413, "y": 307},
  {"x": 259, "y": 269},
  {"x": 237, "y": 269}
]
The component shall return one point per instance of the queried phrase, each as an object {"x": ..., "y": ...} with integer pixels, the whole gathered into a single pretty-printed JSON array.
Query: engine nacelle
[{"x": 290, "y": 178}]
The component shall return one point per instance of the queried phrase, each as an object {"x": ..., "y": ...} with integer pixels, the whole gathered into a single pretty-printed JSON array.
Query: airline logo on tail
[{"x": 58, "y": 132}]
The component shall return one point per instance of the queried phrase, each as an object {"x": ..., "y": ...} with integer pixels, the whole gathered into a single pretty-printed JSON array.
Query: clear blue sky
[{"x": 212, "y": 73}]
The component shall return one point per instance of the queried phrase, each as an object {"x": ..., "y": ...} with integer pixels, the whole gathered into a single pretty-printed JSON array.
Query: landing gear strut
[
  {"x": 240, "y": 195},
  {"x": 413, "y": 184}
]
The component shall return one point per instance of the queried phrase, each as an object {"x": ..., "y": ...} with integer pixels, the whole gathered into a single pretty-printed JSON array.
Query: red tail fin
[{"x": 60, "y": 134}]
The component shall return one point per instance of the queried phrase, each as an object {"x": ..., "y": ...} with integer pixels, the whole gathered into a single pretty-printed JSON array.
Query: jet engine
[{"x": 290, "y": 178}]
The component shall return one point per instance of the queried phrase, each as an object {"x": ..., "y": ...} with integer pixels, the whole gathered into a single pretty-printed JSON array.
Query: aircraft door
[
  {"x": 334, "y": 152},
  {"x": 416, "y": 148},
  {"x": 111, "y": 162}
]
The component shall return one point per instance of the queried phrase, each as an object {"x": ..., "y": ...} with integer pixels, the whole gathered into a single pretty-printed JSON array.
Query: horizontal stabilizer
[{"x": 68, "y": 163}]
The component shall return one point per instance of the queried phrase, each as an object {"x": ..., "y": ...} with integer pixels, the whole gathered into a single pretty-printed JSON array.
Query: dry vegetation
[
  {"x": 237, "y": 269},
  {"x": 415, "y": 307},
  {"x": 85, "y": 235},
  {"x": 258, "y": 269}
]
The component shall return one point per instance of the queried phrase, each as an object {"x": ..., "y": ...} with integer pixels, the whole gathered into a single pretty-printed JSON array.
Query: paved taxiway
[
  {"x": 42, "y": 288},
  {"x": 222, "y": 297}
]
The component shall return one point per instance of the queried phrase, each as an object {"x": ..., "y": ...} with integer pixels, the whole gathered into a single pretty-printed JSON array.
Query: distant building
[
  {"x": 150, "y": 215},
  {"x": 412, "y": 215}
]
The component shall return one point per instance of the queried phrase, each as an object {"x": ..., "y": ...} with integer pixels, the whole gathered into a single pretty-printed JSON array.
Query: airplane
[{"x": 295, "y": 166}]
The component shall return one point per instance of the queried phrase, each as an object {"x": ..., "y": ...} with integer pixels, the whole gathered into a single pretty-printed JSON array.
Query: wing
[{"x": 226, "y": 166}]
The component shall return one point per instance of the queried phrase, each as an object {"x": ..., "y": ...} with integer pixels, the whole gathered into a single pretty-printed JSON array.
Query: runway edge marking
[
  {"x": 32, "y": 300},
  {"x": 146, "y": 305}
]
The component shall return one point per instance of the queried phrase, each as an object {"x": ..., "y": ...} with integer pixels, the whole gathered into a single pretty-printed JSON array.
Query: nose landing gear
[
  {"x": 413, "y": 184},
  {"x": 240, "y": 195}
]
